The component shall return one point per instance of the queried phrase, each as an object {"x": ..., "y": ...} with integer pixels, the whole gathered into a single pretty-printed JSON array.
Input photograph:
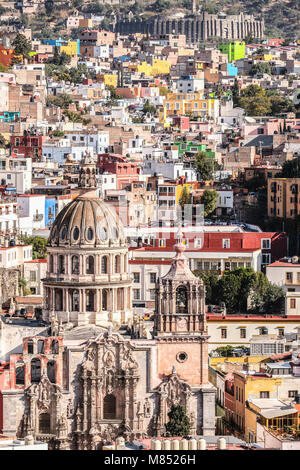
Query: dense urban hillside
[{"x": 282, "y": 18}]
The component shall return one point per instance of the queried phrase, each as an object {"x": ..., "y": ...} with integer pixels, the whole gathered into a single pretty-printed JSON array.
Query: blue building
[{"x": 50, "y": 211}]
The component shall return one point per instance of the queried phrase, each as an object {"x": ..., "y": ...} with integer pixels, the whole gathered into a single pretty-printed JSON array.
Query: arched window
[
  {"x": 20, "y": 373},
  {"x": 40, "y": 346},
  {"x": 44, "y": 423},
  {"x": 54, "y": 347},
  {"x": 90, "y": 301},
  {"x": 104, "y": 299},
  {"x": 90, "y": 265},
  {"x": 51, "y": 371},
  {"x": 109, "y": 407},
  {"x": 58, "y": 299},
  {"x": 61, "y": 264},
  {"x": 75, "y": 301},
  {"x": 117, "y": 264},
  {"x": 104, "y": 265},
  {"x": 75, "y": 264},
  {"x": 30, "y": 346},
  {"x": 35, "y": 370},
  {"x": 181, "y": 299},
  {"x": 51, "y": 263}
]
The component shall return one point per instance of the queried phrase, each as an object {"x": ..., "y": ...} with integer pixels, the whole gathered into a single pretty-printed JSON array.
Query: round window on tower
[
  {"x": 76, "y": 233},
  {"x": 181, "y": 357},
  {"x": 115, "y": 233},
  {"x": 63, "y": 233},
  {"x": 103, "y": 233},
  {"x": 90, "y": 233}
]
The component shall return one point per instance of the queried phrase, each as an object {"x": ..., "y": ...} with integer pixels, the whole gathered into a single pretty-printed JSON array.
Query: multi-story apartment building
[
  {"x": 283, "y": 197},
  {"x": 16, "y": 173},
  {"x": 286, "y": 274}
]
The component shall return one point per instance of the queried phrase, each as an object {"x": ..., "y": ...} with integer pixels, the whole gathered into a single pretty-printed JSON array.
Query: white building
[
  {"x": 16, "y": 173},
  {"x": 58, "y": 151},
  {"x": 34, "y": 272},
  {"x": 8, "y": 216},
  {"x": 99, "y": 141},
  {"x": 13, "y": 256},
  {"x": 106, "y": 181},
  {"x": 33, "y": 206},
  {"x": 286, "y": 274},
  {"x": 189, "y": 84},
  {"x": 225, "y": 201}
]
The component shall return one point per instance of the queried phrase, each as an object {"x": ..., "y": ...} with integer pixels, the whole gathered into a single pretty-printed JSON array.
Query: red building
[
  {"x": 28, "y": 145},
  {"x": 182, "y": 123},
  {"x": 6, "y": 56},
  {"x": 41, "y": 355},
  {"x": 125, "y": 170}
]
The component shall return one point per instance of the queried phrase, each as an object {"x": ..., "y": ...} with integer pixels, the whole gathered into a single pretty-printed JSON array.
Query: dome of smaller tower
[{"x": 87, "y": 221}]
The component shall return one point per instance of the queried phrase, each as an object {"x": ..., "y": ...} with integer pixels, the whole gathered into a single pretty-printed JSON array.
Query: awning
[{"x": 276, "y": 413}]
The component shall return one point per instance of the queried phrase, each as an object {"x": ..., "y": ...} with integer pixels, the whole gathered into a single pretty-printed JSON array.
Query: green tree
[
  {"x": 3, "y": 143},
  {"x": 21, "y": 45},
  {"x": 185, "y": 197},
  {"x": 179, "y": 423},
  {"x": 205, "y": 165},
  {"x": 211, "y": 282},
  {"x": 23, "y": 286},
  {"x": 281, "y": 104},
  {"x": 260, "y": 67},
  {"x": 209, "y": 200},
  {"x": 39, "y": 246},
  {"x": 290, "y": 169},
  {"x": 255, "y": 101},
  {"x": 63, "y": 100},
  {"x": 149, "y": 108}
]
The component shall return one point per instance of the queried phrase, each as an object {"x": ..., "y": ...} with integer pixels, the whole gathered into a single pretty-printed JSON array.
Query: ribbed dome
[{"x": 87, "y": 221}]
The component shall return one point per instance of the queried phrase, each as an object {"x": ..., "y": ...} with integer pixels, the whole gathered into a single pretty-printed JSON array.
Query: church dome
[{"x": 87, "y": 221}]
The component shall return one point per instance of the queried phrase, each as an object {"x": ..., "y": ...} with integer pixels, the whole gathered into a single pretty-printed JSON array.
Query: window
[
  {"x": 264, "y": 394},
  {"x": 152, "y": 278},
  {"x": 32, "y": 276},
  {"x": 35, "y": 370},
  {"x": 136, "y": 294},
  {"x": 266, "y": 243},
  {"x": 44, "y": 423},
  {"x": 104, "y": 265},
  {"x": 109, "y": 407},
  {"x": 242, "y": 332},
  {"x": 263, "y": 330},
  {"x": 136, "y": 278},
  {"x": 289, "y": 277},
  {"x": 198, "y": 243},
  {"x": 292, "y": 303},
  {"x": 117, "y": 264},
  {"x": 280, "y": 331},
  {"x": 90, "y": 268},
  {"x": 292, "y": 393},
  {"x": 75, "y": 265},
  {"x": 226, "y": 243},
  {"x": 223, "y": 333},
  {"x": 162, "y": 243},
  {"x": 152, "y": 294},
  {"x": 266, "y": 258}
]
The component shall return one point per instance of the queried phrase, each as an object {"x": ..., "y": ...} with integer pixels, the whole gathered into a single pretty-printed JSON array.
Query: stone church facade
[{"x": 101, "y": 374}]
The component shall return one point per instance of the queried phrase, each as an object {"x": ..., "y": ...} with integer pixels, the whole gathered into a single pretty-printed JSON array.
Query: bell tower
[
  {"x": 181, "y": 335},
  {"x": 180, "y": 299},
  {"x": 87, "y": 176}
]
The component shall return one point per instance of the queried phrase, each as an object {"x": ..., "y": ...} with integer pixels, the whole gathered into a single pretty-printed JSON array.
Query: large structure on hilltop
[
  {"x": 197, "y": 27},
  {"x": 101, "y": 373}
]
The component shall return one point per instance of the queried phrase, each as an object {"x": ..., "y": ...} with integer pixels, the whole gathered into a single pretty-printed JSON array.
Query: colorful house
[
  {"x": 191, "y": 104},
  {"x": 235, "y": 50}
]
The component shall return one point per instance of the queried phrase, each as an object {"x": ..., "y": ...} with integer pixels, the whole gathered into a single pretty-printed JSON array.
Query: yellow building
[
  {"x": 191, "y": 103},
  {"x": 284, "y": 197},
  {"x": 110, "y": 80},
  {"x": 244, "y": 388},
  {"x": 71, "y": 48},
  {"x": 158, "y": 67}
]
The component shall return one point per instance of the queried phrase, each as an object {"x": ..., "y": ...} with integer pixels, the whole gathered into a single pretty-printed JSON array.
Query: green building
[
  {"x": 193, "y": 147},
  {"x": 235, "y": 50}
]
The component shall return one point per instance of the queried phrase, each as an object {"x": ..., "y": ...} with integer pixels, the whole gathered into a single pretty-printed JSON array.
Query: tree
[
  {"x": 179, "y": 423},
  {"x": 260, "y": 67},
  {"x": 270, "y": 299},
  {"x": 211, "y": 281},
  {"x": 23, "y": 286},
  {"x": 149, "y": 108},
  {"x": 63, "y": 100},
  {"x": 281, "y": 104},
  {"x": 21, "y": 45},
  {"x": 209, "y": 200},
  {"x": 185, "y": 197},
  {"x": 290, "y": 169},
  {"x": 205, "y": 165},
  {"x": 39, "y": 246},
  {"x": 255, "y": 101}
]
